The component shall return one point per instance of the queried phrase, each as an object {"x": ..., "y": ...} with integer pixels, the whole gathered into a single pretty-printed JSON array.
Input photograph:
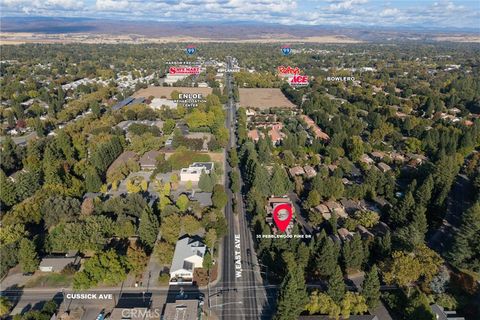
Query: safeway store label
[{"x": 184, "y": 70}]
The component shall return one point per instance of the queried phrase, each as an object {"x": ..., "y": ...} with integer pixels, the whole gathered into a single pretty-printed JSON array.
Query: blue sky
[{"x": 406, "y": 13}]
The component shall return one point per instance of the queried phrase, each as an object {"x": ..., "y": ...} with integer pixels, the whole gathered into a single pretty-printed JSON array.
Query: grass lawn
[{"x": 50, "y": 280}]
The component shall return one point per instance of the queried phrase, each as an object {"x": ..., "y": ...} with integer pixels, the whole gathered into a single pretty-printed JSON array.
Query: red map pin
[{"x": 282, "y": 214}]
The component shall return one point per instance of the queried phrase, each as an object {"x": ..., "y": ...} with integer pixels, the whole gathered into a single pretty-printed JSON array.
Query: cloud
[
  {"x": 439, "y": 13},
  {"x": 105, "y": 5},
  {"x": 389, "y": 12},
  {"x": 39, "y": 6},
  {"x": 67, "y": 4},
  {"x": 339, "y": 5}
]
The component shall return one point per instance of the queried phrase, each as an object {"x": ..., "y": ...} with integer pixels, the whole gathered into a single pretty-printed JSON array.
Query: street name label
[
  {"x": 238, "y": 257},
  {"x": 89, "y": 296}
]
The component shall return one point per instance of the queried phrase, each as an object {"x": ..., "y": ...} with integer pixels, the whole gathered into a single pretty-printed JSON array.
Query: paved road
[
  {"x": 238, "y": 295},
  {"x": 307, "y": 228},
  {"x": 26, "y": 299}
]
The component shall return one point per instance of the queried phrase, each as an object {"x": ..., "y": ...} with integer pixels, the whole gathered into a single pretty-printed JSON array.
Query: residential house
[
  {"x": 351, "y": 206},
  {"x": 344, "y": 234},
  {"x": 123, "y": 103},
  {"x": 250, "y": 112},
  {"x": 296, "y": 171},
  {"x": 271, "y": 204},
  {"x": 378, "y": 155},
  {"x": 332, "y": 167},
  {"x": 318, "y": 133},
  {"x": 310, "y": 172},
  {"x": 416, "y": 159},
  {"x": 397, "y": 157},
  {"x": 204, "y": 199},
  {"x": 149, "y": 160},
  {"x": 194, "y": 171},
  {"x": 336, "y": 208},
  {"x": 364, "y": 233},
  {"x": 276, "y": 136},
  {"x": 56, "y": 263},
  {"x": 121, "y": 160},
  {"x": 188, "y": 255},
  {"x": 183, "y": 310},
  {"x": 205, "y": 136},
  {"x": 380, "y": 228},
  {"x": 324, "y": 211},
  {"x": 384, "y": 167},
  {"x": 441, "y": 314},
  {"x": 255, "y": 135},
  {"x": 366, "y": 159}
]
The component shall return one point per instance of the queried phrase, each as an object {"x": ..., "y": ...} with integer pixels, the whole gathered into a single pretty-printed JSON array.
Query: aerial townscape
[{"x": 235, "y": 178}]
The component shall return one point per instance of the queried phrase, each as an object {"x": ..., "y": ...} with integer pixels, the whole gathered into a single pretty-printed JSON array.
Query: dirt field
[
  {"x": 14, "y": 38},
  {"x": 459, "y": 38},
  {"x": 263, "y": 98},
  {"x": 158, "y": 92}
]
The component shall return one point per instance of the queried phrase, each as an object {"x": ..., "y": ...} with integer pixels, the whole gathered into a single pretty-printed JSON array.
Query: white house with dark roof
[
  {"x": 188, "y": 255},
  {"x": 194, "y": 171}
]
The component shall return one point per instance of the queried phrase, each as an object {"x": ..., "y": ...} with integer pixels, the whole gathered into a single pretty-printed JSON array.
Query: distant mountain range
[{"x": 236, "y": 31}]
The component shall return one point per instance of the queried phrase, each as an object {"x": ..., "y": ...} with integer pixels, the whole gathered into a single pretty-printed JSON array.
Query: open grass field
[
  {"x": 50, "y": 280},
  {"x": 263, "y": 98},
  {"x": 159, "y": 92}
]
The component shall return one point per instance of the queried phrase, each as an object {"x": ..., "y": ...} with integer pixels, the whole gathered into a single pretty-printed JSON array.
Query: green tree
[
  {"x": 148, "y": 228},
  {"x": 367, "y": 218},
  {"x": 168, "y": 126},
  {"x": 206, "y": 182},
  {"x": 8, "y": 194},
  {"x": 235, "y": 181},
  {"x": 371, "y": 288},
  {"x": 219, "y": 198},
  {"x": 233, "y": 158},
  {"x": 419, "y": 220},
  {"x": 261, "y": 180},
  {"x": 423, "y": 194},
  {"x": 465, "y": 251},
  {"x": 292, "y": 297},
  {"x": 336, "y": 285},
  {"x": 280, "y": 183},
  {"x": 170, "y": 228},
  {"x": 327, "y": 259},
  {"x": 27, "y": 256},
  {"x": 56, "y": 209},
  {"x": 207, "y": 261},
  {"x": 400, "y": 214},
  {"x": 5, "y": 306},
  {"x": 191, "y": 225},
  {"x": 211, "y": 239},
  {"x": 322, "y": 303},
  {"x": 355, "y": 148},
  {"x": 353, "y": 253},
  {"x": 263, "y": 147},
  {"x": 93, "y": 183},
  {"x": 137, "y": 259},
  {"x": 182, "y": 202},
  {"x": 27, "y": 183},
  {"x": 106, "y": 267},
  {"x": 313, "y": 199}
]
